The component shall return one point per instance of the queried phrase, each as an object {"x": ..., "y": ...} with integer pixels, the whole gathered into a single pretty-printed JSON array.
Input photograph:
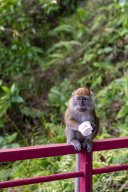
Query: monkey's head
[{"x": 82, "y": 99}]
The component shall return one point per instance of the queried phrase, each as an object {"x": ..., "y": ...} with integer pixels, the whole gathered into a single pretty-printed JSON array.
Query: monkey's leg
[
  {"x": 76, "y": 144},
  {"x": 89, "y": 139},
  {"x": 88, "y": 143},
  {"x": 71, "y": 139}
]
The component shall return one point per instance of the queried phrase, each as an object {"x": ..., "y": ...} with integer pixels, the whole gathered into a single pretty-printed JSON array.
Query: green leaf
[
  {"x": 1, "y": 82},
  {"x": 6, "y": 90},
  {"x": 126, "y": 86},
  {"x": 17, "y": 99},
  {"x": 37, "y": 49},
  {"x": 123, "y": 112},
  {"x": 64, "y": 28},
  {"x": 13, "y": 88}
]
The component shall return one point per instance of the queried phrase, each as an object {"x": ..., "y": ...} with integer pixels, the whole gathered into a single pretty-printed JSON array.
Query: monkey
[{"x": 80, "y": 109}]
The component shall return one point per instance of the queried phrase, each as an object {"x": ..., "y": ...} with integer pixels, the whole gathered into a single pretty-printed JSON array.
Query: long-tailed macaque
[{"x": 80, "y": 109}]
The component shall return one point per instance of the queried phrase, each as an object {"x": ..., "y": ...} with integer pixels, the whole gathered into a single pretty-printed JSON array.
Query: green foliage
[
  {"x": 59, "y": 95},
  {"x": 9, "y": 97},
  {"x": 9, "y": 141},
  {"x": 102, "y": 159},
  {"x": 31, "y": 112}
]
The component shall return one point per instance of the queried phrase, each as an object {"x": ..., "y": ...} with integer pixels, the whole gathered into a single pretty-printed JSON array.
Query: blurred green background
[{"x": 48, "y": 48}]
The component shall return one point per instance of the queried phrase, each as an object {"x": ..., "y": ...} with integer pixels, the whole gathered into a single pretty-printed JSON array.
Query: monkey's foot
[
  {"x": 76, "y": 144},
  {"x": 89, "y": 144}
]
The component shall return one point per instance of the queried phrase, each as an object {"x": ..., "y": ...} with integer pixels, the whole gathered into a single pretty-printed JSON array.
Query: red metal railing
[{"x": 86, "y": 170}]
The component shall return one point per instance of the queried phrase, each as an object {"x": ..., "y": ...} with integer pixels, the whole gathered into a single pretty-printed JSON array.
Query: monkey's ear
[
  {"x": 91, "y": 92},
  {"x": 73, "y": 93},
  {"x": 88, "y": 85}
]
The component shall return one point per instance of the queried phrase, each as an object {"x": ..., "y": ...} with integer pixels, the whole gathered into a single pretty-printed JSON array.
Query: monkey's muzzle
[{"x": 81, "y": 109}]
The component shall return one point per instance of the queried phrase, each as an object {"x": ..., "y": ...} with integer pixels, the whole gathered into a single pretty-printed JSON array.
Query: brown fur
[
  {"x": 82, "y": 92},
  {"x": 73, "y": 118}
]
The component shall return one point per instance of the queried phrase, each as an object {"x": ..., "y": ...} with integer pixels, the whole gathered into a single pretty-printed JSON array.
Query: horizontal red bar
[
  {"x": 27, "y": 181},
  {"x": 32, "y": 152},
  {"x": 109, "y": 144},
  {"x": 110, "y": 169}
]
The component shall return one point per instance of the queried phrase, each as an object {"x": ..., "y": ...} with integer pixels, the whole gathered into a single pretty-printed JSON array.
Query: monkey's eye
[
  {"x": 85, "y": 98},
  {"x": 78, "y": 98}
]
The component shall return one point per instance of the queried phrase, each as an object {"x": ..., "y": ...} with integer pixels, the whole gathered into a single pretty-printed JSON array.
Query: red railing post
[{"x": 86, "y": 167}]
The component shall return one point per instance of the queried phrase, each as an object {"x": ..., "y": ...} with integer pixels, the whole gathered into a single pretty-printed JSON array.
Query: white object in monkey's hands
[{"x": 85, "y": 128}]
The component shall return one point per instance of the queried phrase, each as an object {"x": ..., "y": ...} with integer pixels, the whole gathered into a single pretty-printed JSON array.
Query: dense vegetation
[{"x": 47, "y": 49}]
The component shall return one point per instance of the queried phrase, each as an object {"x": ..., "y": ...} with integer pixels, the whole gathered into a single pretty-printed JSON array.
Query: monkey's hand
[
  {"x": 93, "y": 125},
  {"x": 76, "y": 144},
  {"x": 89, "y": 144}
]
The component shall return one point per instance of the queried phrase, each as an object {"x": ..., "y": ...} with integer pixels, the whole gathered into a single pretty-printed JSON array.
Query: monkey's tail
[{"x": 77, "y": 180}]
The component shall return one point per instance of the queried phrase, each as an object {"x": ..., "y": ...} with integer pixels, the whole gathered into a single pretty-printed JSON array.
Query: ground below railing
[{"x": 86, "y": 159}]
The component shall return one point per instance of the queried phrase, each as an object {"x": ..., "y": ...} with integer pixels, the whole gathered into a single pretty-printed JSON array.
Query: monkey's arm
[
  {"x": 72, "y": 140},
  {"x": 95, "y": 126},
  {"x": 70, "y": 122},
  {"x": 71, "y": 129}
]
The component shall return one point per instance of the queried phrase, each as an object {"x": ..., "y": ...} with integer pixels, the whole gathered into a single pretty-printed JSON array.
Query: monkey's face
[
  {"x": 82, "y": 103},
  {"x": 82, "y": 100}
]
